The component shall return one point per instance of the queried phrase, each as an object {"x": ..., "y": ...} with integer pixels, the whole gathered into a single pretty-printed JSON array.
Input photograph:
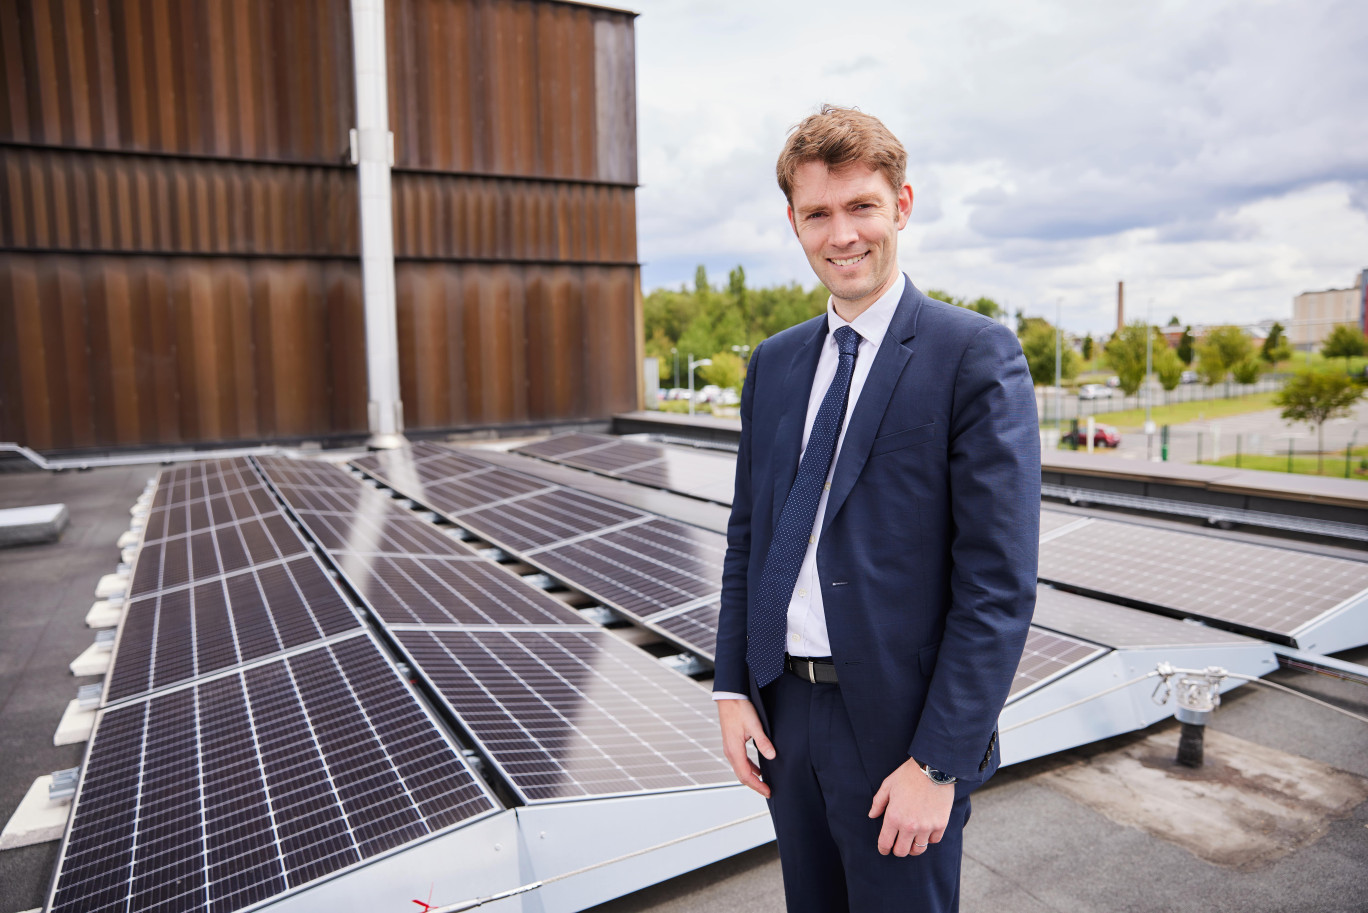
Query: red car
[{"x": 1103, "y": 436}]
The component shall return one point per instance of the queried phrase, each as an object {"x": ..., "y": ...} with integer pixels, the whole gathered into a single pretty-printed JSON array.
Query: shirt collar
[{"x": 874, "y": 321}]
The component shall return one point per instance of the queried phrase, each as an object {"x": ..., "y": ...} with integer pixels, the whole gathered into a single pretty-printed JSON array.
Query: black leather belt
[{"x": 819, "y": 670}]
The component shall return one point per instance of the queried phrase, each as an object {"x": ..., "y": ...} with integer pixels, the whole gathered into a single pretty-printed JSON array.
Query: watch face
[{"x": 938, "y": 776}]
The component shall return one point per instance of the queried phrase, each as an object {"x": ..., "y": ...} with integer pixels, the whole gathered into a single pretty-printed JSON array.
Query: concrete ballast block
[
  {"x": 111, "y": 585},
  {"x": 93, "y": 661},
  {"x": 32, "y": 525},
  {"x": 105, "y": 613},
  {"x": 76, "y": 725},
  {"x": 37, "y": 819}
]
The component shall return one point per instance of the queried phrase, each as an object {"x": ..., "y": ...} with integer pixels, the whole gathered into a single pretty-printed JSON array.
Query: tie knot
[{"x": 847, "y": 341}]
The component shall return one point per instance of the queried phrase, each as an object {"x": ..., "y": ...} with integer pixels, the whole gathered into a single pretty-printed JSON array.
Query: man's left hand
[{"x": 915, "y": 810}]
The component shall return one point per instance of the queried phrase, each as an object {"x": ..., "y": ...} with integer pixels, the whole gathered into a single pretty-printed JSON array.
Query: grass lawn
[
  {"x": 1305, "y": 465},
  {"x": 1179, "y": 413}
]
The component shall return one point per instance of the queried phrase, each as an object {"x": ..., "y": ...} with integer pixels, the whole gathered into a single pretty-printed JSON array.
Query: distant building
[{"x": 1315, "y": 314}]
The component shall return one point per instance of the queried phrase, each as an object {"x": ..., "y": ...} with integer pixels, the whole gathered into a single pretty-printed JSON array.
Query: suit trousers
[{"x": 820, "y": 800}]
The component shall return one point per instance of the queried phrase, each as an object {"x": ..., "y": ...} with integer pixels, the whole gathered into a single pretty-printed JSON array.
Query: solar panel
[
  {"x": 1051, "y": 520},
  {"x": 1122, "y": 627},
  {"x": 695, "y": 627},
  {"x": 643, "y": 569},
  {"x": 700, "y": 475},
  {"x": 235, "y": 790},
  {"x": 214, "y": 552},
  {"x": 449, "y": 591},
  {"x": 543, "y": 519},
  {"x": 1255, "y": 587},
  {"x": 175, "y": 635},
  {"x": 202, "y": 479},
  {"x": 1048, "y": 656},
  {"x": 573, "y": 713}
]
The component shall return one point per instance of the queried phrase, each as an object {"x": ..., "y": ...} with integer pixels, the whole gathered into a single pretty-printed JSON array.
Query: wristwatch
[{"x": 938, "y": 777}]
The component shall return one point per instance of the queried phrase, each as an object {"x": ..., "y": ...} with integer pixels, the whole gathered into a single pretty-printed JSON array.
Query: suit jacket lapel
[
  {"x": 788, "y": 435},
  {"x": 894, "y": 353}
]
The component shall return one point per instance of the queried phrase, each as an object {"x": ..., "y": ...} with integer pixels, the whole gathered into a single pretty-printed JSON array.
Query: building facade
[{"x": 1315, "y": 314}]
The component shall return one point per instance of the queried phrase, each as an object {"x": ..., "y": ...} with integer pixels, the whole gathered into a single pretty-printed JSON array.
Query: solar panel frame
[{"x": 235, "y": 807}]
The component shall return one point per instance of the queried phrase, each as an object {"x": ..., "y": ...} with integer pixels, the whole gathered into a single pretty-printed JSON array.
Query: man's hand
[
  {"x": 740, "y": 723},
  {"x": 915, "y": 810}
]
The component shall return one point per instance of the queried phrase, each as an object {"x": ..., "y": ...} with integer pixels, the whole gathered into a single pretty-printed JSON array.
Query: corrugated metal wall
[{"x": 178, "y": 228}]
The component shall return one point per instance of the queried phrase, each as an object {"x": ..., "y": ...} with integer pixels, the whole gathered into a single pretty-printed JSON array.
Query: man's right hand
[{"x": 740, "y": 724}]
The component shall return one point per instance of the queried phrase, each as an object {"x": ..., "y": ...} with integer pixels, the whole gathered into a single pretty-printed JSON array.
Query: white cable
[{"x": 1079, "y": 702}]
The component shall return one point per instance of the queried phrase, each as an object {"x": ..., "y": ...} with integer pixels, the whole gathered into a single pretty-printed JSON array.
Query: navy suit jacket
[{"x": 927, "y": 556}]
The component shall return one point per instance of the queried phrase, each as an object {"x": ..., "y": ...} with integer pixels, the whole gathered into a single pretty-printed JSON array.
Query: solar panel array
[
  {"x": 1047, "y": 656},
  {"x": 243, "y": 787},
  {"x": 562, "y": 709},
  {"x": 223, "y": 580},
  {"x": 1275, "y": 591},
  {"x": 647, "y": 567},
  {"x": 253, "y": 738},
  {"x": 698, "y": 474}
]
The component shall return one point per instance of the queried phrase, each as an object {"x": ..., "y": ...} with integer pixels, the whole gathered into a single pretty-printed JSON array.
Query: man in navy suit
[{"x": 881, "y": 553}]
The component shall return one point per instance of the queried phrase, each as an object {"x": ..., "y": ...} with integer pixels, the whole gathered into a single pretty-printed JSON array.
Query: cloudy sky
[{"x": 1214, "y": 155}]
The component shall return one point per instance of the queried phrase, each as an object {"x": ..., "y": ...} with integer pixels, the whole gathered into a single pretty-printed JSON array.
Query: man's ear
[
  {"x": 792, "y": 224},
  {"x": 904, "y": 205}
]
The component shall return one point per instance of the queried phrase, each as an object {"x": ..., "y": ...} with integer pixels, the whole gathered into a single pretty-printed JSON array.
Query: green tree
[
  {"x": 727, "y": 370},
  {"x": 1168, "y": 367},
  {"x": 942, "y": 295},
  {"x": 1220, "y": 351},
  {"x": 1174, "y": 321},
  {"x": 1026, "y": 324},
  {"x": 1126, "y": 354},
  {"x": 1088, "y": 347},
  {"x": 985, "y": 306},
  {"x": 1185, "y": 344},
  {"x": 1316, "y": 397},
  {"x": 1038, "y": 345},
  {"x": 1345, "y": 341},
  {"x": 1275, "y": 346},
  {"x": 1247, "y": 371}
]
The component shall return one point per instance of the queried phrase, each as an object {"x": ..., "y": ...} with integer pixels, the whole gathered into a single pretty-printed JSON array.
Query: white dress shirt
[{"x": 807, "y": 630}]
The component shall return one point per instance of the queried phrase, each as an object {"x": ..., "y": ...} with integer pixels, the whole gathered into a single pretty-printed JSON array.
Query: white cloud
[{"x": 1213, "y": 153}]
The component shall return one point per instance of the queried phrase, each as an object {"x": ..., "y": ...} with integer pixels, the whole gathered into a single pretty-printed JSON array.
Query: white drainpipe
[{"x": 372, "y": 151}]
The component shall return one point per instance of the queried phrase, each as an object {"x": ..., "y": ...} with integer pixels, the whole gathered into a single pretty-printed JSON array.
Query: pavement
[{"x": 1036, "y": 841}]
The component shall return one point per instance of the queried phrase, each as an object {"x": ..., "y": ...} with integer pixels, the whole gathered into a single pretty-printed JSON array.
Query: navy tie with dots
[{"x": 768, "y": 618}]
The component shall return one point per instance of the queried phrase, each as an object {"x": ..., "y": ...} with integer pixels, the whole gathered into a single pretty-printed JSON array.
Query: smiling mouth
[{"x": 849, "y": 261}]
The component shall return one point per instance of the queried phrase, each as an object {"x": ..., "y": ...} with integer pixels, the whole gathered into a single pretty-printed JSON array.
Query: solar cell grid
[
  {"x": 696, "y": 627},
  {"x": 1051, "y": 520},
  {"x": 389, "y": 533},
  {"x": 561, "y": 444},
  {"x": 1121, "y": 627},
  {"x": 573, "y": 713},
  {"x": 543, "y": 519},
  {"x": 214, "y": 552},
  {"x": 412, "y": 590},
  {"x": 642, "y": 569},
  {"x": 172, "y": 636},
  {"x": 224, "y": 794},
  {"x": 1046, "y": 656},
  {"x": 1256, "y": 586}
]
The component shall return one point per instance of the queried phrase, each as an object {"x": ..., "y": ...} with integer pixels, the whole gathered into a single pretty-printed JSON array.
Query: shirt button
[
  {"x": 812, "y": 540},
  {"x": 802, "y": 593},
  {"x": 794, "y": 638},
  {"x": 826, "y": 487}
]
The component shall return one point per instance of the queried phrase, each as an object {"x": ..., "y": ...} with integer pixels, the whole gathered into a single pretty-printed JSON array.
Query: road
[{"x": 1254, "y": 432}]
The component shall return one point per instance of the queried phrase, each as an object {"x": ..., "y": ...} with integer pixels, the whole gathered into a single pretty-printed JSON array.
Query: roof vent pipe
[{"x": 372, "y": 151}]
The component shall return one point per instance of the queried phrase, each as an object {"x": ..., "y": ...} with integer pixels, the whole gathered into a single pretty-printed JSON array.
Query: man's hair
[{"x": 838, "y": 138}]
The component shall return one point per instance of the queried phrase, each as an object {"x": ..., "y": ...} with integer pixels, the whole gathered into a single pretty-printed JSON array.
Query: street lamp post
[
  {"x": 674, "y": 378},
  {"x": 701, "y": 363},
  {"x": 1149, "y": 387}
]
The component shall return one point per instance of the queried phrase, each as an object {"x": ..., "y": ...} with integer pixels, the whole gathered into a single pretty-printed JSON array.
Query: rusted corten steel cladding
[{"x": 179, "y": 253}]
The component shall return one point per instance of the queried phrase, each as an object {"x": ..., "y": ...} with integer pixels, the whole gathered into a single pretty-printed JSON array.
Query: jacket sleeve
[
  {"x": 994, "y": 479},
  {"x": 731, "y": 672}
]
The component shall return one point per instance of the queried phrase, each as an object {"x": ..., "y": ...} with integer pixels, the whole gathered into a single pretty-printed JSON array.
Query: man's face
[{"x": 848, "y": 223}]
